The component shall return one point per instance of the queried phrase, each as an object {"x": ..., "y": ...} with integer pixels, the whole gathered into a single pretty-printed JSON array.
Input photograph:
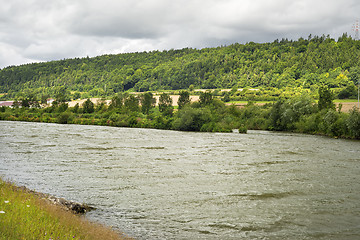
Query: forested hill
[{"x": 285, "y": 63}]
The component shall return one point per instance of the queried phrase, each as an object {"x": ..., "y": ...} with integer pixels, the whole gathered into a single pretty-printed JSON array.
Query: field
[{"x": 347, "y": 104}]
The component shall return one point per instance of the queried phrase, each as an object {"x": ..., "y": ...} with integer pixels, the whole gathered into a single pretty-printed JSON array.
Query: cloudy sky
[{"x": 44, "y": 30}]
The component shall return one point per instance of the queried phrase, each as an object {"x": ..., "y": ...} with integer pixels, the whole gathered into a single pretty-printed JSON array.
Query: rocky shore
[{"x": 74, "y": 207}]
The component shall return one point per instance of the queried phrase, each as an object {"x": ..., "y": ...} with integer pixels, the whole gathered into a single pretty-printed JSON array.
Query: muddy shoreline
[{"x": 71, "y": 206}]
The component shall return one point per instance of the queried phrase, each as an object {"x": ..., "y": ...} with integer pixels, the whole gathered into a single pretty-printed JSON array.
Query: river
[{"x": 157, "y": 184}]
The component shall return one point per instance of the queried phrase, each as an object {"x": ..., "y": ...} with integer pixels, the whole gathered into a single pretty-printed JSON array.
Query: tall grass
[{"x": 24, "y": 216}]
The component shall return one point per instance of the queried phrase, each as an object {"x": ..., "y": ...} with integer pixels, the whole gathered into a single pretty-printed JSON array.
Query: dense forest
[{"x": 304, "y": 63}]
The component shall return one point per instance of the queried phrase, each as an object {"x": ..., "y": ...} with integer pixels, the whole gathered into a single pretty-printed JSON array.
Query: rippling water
[{"x": 155, "y": 184}]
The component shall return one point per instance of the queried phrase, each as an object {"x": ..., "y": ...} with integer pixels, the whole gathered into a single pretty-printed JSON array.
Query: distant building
[
  {"x": 49, "y": 101},
  {"x": 6, "y": 103}
]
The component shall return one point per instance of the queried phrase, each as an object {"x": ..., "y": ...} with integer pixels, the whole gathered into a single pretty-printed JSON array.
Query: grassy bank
[{"x": 25, "y": 216}]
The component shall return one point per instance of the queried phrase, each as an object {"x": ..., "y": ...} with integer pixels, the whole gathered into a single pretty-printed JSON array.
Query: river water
[{"x": 156, "y": 184}]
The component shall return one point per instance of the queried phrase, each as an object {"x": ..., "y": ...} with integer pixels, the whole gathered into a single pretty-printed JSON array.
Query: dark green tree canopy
[
  {"x": 205, "y": 98},
  {"x": 326, "y": 98},
  {"x": 88, "y": 106},
  {"x": 184, "y": 99},
  {"x": 147, "y": 102},
  {"x": 165, "y": 104}
]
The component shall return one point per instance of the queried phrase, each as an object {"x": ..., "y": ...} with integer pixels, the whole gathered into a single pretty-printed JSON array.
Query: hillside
[{"x": 285, "y": 63}]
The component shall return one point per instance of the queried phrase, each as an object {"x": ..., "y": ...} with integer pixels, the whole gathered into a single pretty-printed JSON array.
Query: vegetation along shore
[
  {"x": 301, "y": 113},
  {"x": 26, "y": 214}
]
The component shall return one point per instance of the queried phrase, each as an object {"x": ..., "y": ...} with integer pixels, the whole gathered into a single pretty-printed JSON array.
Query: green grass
[
  {"x": 335, "y": 101},
  {"x": 345, "y": 100},
  {"x": 25, "y": 216},
  {"x": 246, "y": 102}
]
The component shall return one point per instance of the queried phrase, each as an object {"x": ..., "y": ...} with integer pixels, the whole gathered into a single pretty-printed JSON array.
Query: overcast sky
[{"x": 44, "y": 30}]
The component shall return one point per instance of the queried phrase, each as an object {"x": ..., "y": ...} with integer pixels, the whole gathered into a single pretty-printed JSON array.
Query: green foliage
[
  {"x": 76, "y": 95},
  {"x": 275, "y": 116},
  {"x": 64, "y": 118},
  {"x": 349, "y": 92},
  {"x": 62, "y": 107},
  {"x": 88, "y": 106},
  {"x": 353, "y": 123},
  {"x": 131, "y": 103},
  {"x": 147, "y": 102},
  {"x": 326, "y": 98},
  {"x": 298, "y": 114},
  {"x": 205, "y": 98},
  {"x": 165, "y": 104},
  {"x": 75, "y": 109},
  {"x": 280, "y": 64},
  {"x": 25, "y": 215},
  {"x": 117, "y": 101},
  {"x": 226, "y": 97},
  {"x": 191, "y": 119},
  {"x": 184, "y": 99},
  {"x": 243, "y": 129}
]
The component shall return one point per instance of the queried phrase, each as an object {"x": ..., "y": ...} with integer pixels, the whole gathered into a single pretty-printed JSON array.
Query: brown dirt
[
  {"x": 175, "y": 98},
  {"x": 346, "y": 106}
]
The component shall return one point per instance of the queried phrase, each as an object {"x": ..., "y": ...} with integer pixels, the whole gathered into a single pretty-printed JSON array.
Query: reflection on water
[{"x": 156, "y": 184}]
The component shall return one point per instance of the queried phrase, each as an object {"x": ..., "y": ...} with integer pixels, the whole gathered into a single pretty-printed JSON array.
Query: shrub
[
  {"x": 191, "y": 119},
  {"x": 243, "y": 129},
  {"x": 353, "y": 123},
  {"x": 64, "y": 118}
]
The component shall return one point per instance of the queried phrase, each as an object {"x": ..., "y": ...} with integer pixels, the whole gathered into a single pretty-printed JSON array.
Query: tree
[
  {"x": 348, "y": 92},
  {"x": 75, "y": 109},
  {"x": 191, "y": 88},
  {"x": 353, "y": 123},
  {"x": 275, "y": 115},
  {"x": 76, "y": 95},
  {"x": 226, "y": 97},
  {"x": 61, "y": 95},
  {"x": 191, "y": 119},
  {"x": 117, "y": 101},
  {"x": 326, "y": 98},
  {"x": 205, "y": 98},
  {"x": 88, "y": 106},
  {"x": 30, "y": 101},
  {"x": 165, "y": 104},
  {"x": 147, "y": 102},
  {"x": 62, "y": 107},
  {"x": 131, "y": 103},
  {"x": 44, "y": 98},
  {"x": 184, "y": 99}
]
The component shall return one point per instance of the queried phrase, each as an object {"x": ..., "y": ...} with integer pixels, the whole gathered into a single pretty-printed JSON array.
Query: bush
[
  {"x": 191, "y": 119},
  {"x": 309, "y": 123},
  {"x": 243, "y": 129},
  {"x": 353, "y": 123},
  {"x": 64, "y": 118}
]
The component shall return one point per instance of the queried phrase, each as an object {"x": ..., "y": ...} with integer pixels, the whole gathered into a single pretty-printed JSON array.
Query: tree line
[{"x": 300, "y": 113}]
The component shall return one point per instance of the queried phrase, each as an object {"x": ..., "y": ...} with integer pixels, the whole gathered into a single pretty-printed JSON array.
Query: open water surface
[{"x": 156, "y": 184}]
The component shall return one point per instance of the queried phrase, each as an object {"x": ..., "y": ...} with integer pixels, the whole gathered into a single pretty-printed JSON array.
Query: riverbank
[
  {"x": 25, "y": 214},
  {"x": 299, "y": 114}
]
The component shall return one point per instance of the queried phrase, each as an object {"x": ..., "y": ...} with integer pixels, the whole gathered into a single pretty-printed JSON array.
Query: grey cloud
[
  {"x": 41, "y": 30},
  {"x": 125, "y": 19}
]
